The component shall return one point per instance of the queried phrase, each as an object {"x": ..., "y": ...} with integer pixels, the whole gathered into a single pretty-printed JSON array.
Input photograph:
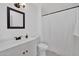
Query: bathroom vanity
[{"x": 23, "y": 47}]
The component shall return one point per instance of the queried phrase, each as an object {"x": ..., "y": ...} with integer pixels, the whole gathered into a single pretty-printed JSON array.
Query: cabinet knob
[
  {"x": 23, "y": 53},
  {"x": 26, "y": 51}
]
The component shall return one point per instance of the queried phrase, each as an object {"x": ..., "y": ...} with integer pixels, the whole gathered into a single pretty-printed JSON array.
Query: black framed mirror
[{"x": 15, "y": 19}]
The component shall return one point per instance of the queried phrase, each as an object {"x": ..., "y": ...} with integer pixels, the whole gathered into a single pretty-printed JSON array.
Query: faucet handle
[{"x": 26, "y": 36}]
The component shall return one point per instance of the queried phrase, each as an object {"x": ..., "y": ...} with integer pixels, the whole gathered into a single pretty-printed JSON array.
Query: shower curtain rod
[{"x": 60, "y": 10}]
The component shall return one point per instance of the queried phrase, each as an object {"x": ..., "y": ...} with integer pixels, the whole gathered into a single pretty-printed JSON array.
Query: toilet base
[{"x": 42, "y": 47}]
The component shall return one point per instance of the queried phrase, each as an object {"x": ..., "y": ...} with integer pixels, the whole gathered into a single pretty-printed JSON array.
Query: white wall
[
  {"x": 58, "y": 32},
  {"x": 32, "y": 18}
]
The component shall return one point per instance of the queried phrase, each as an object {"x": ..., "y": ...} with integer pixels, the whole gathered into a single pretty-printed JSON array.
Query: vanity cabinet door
[{"x": 26, "y": 49}]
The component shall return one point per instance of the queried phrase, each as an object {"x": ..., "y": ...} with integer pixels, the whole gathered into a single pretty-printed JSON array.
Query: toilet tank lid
[{"x": 43, "y": 45}]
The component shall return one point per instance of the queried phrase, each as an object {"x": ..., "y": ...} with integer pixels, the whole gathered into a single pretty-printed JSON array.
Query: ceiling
[{"x": 52, "y": 7}]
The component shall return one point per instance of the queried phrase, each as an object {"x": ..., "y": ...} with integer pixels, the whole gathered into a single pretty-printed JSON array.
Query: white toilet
[{"x": 42, "y": 47}]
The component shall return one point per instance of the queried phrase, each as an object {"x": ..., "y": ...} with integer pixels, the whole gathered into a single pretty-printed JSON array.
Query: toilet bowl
[{"x": 42, "y": 47}]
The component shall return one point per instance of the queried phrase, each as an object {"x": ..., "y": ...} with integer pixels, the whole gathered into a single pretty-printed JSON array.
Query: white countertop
[{"x": 9, "y": 43}]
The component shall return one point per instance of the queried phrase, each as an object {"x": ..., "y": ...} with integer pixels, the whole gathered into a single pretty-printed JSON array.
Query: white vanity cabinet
[{"x": 25, "y": 49}]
